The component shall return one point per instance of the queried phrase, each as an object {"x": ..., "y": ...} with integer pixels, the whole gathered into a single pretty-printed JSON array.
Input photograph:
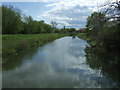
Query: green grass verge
[
  {"x": 87, "y": 38},
  {"x": 83, "y": 36},
  {"x": 20, "y": 43}
]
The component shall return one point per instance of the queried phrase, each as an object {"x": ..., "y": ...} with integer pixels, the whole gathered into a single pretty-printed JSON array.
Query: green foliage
[
  {"x": 68, "y": 30},
  {"x": 83, "y": 36},
  {"x": 103, "y": 33},
  {"x": 95, "y": 24},
  {"x": 103, "y": 29},
  {"x": 11, "y": 20},
  {"x": 0, "y": 20},
  {"x": 14, "y": 23}
]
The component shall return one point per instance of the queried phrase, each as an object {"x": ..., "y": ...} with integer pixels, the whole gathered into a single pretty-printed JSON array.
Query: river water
[{"x": 59, "y": 64}]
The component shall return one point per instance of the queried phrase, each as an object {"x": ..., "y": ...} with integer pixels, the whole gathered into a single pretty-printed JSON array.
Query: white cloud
[
  {"x": 63, "y": 23},
  {"x": 26, "y": 11},
  {"x": 71, "y": 12},
  {"x": 30, "y": 0},
  {"x": 68, "y": 12}
]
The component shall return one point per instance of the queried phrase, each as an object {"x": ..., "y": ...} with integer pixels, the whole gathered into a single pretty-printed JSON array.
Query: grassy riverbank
[
  {"x": 20, "y": 43},
  {"x": 87, "y": 38},
  {"x": 83, "y": 36}
]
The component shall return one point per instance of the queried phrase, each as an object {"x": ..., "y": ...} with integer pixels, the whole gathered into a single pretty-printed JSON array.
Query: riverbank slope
[{"x": 20, "y": 43}]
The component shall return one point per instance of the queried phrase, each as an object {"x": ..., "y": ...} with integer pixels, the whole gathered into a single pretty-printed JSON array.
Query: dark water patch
[{"x": 107, "y": 62}]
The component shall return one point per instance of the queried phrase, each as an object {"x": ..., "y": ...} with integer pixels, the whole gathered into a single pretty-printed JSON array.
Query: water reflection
[
  {"x": 61, "y": 63},
  {"x": 107, "y": 62},
  {"x": 16, "y": 61}
]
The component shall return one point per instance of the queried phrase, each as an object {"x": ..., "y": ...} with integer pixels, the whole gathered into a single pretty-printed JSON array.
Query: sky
[{"x": 68, "y": 13}]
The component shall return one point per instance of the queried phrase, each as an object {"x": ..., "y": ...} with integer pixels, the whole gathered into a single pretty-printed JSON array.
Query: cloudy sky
[{"x": 69, "y": 13}]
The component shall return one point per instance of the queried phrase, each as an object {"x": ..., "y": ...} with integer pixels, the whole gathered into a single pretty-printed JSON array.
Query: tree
[
  {"x": 95, "y": 24},
  {"x": 41, "y": 26},
  {"x": 103, "y": 27},
  {"x": 54, "y": 24},
  {"x": 11, "y": 20},
  {"x": 13, "y": 23},
  {"x": 112, "y": 11},
  {"x": 0, "y": 20},
  {"x": 30, "y": 25}
]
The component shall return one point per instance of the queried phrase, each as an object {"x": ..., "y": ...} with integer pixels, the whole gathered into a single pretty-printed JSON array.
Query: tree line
[
  {"x": 14, "y": 22},
  {"x": 103, "y": 27}
]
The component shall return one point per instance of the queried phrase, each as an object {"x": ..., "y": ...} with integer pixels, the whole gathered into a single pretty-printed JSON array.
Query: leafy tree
[
  {"x": 95, "y": 24},
  {"x": 13, "y": 23},
  {"x": 103, "y": 28},
  {"x": 11, "y": 20},
  {"x": 67, "y": 30},
  {"x": 0, "y": 20},
  {"x": 54, "y": 24}
]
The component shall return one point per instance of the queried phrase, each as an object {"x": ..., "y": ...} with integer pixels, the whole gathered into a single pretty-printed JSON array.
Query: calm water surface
[{"x": 61, "y": 63}]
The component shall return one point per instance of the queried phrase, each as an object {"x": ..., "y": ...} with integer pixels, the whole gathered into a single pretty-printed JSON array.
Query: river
[{"x": 59, "y": 64}]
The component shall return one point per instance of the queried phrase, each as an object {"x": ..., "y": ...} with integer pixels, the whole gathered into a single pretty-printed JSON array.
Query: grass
[
  {"x": 20, "y": 43},
  {"x": 87, "y": 38},
  {"x": 83, "y": 36}
]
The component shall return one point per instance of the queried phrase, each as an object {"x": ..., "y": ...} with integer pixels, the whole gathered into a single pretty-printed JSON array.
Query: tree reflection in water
[
  {"x": 107, "y": 62},
  {"x": 16, "y": 61}
]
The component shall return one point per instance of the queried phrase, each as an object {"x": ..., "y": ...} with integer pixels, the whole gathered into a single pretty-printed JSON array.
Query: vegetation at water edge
[{"x": 20, "y": 43}]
